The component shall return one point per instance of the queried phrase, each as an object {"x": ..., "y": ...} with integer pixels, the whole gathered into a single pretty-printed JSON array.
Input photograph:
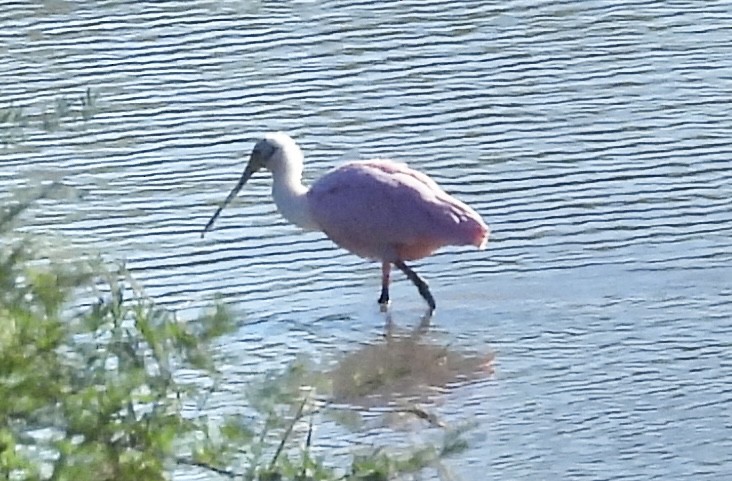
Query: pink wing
[{"x": 385, "y": 210}]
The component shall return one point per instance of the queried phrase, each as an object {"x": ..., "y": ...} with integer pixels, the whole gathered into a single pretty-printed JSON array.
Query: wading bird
[{"x": 378, "y": 209}]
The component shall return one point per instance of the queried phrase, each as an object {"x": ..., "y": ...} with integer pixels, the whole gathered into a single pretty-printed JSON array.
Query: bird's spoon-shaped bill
[{"x": 248, "y": 172}]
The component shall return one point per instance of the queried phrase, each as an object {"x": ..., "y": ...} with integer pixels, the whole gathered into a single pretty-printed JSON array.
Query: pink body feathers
[{"x": 386, "y": 211}]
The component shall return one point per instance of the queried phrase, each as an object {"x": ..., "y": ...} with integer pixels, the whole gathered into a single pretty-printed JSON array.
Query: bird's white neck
[{"x": 290, "y": 195}]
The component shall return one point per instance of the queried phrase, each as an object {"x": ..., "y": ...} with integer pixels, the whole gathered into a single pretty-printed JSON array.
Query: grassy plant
[
  {"x": 12, "y": 122},
  {"x": 63, "y": 110},
  {"x": 89, "y": 394},
  {"x": 11, "y": 115},
  {"x": 89, "y": 104}
]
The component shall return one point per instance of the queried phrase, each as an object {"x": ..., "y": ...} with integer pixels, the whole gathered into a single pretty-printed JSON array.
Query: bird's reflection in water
[{"x": 403, "y": 366}]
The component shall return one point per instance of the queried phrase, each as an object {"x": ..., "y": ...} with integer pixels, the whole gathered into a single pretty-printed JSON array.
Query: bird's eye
[{"x": 266, "y": 150}]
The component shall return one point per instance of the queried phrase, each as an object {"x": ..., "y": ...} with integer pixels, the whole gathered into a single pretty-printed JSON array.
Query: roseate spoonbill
[{"x": 378, "y": 209}]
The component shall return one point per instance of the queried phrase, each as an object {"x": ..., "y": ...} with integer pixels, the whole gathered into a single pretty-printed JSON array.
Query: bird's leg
[
  {"x": 385, "y": 271},
  {"x": 422, "y": 286}
]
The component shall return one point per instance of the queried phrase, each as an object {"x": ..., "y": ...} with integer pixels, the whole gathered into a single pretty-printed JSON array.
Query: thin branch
[
  {"x": 308, "y": 442},
  {"x": 199, "y": 464},
  {"x": 295, "y": 419}
]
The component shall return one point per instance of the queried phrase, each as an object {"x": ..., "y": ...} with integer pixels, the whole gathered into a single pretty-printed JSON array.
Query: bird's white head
[{"x": 276, "y": 152}]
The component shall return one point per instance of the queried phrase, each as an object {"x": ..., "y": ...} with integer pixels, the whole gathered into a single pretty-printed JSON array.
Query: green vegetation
[
  {"x": 91, "y": 388},
  {"x": 62, "y": 111}
]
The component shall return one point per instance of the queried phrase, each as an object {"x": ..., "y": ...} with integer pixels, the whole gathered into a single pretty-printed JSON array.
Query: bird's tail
[{"x": 480, "y": 237}]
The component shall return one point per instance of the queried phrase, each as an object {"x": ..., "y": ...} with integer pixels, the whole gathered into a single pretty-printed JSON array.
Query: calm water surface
[{"x": 594, "y": 137}]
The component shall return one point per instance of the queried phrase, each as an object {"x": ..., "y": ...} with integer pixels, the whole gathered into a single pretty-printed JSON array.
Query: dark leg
[
  {"x": 422, "y": 286},
  {"x": 385, "y": 271}
]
